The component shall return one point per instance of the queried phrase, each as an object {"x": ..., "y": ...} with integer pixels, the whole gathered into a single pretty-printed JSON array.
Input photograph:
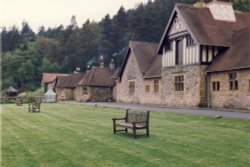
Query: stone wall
[
  {"x": 94, "y": 94},
  {"x": 151, "y": 97},
  {"x": 194, "y": 94},
  {"x": 79, "y": 96},
  {"x": 226, "y": 98},
  {"x": 101, "y": 93},
  {"x": 130, "y": 73},
  {"x": 64, "y": 94}
]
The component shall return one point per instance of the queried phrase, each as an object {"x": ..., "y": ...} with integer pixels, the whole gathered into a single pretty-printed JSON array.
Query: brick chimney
[
  {"x": 101, "y": 61},
  {"x": 112, "y": 64},
  {"x": 222, "y": 10}
]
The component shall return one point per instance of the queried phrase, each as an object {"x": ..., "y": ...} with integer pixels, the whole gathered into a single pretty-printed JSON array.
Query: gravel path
[{"x": 242, "y": 114}]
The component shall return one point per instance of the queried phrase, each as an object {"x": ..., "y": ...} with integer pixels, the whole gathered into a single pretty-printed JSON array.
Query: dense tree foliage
[{"x": 25, "y": 54}]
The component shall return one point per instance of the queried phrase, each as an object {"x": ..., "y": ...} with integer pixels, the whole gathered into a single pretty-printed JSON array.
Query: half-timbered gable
[
  {"x": 178, "y": 46},
  {"x": 193, "y": 38}
]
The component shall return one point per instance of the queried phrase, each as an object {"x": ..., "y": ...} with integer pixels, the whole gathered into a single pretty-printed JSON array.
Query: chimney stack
[
  {"x": 101, "y": 61},
  {"x": 78, "y": 69},
  {"x": 222, "y": 10},
  {"x": 112, "y": 64}
]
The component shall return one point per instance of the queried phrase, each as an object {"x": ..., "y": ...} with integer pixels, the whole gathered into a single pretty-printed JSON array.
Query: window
[
  {"x": 179, "y": 83},
  {"x": 233, "y": 82},
  {"x": 216, "y": 86},
  {"x": 62, "y": 92},
  {"x": 131, "y": 87},
  {"x": 156, "y": 85},
  {"x": 147, "y": 88},
  {"x": 85, "y": 90},
  {"x": 190, "y": 41}
]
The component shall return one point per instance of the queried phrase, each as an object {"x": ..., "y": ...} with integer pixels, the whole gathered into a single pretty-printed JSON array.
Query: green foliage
[
  {"x": 242, "y": 5},
  {"x": 77, "y": 135},
  {"x": 61, "y": 49}
]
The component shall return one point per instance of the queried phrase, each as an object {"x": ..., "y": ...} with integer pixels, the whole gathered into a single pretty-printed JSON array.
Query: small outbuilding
[
  {"x": 11, "y": 91},
  {"x": 50, "y": 96}
]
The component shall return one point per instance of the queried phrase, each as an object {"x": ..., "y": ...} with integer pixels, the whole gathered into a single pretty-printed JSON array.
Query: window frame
[
  {"x": 147, "y": 88},
  {"x": 233, "y": 81},
  {"x": 190, "y": 41},
  {"x": 85, "y": 90},
  {"x": 156, "y": 85},
  {"x": 179, "y": 83},
  {"x": 131, "y": 87},
  {"x": 216, "y": 86}
]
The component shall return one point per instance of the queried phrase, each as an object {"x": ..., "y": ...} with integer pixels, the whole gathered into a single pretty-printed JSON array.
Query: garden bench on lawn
[
  {"x": 19, "y": 102},
  {"x": 34, "y": 107},
  {"x": 135, "y": 120}
]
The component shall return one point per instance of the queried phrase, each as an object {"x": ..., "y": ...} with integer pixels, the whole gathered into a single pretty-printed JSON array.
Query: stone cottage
[
  {"x": 66, "y": 86},
  {"x": 205, "y": 60},
  {"x": 49, "y": 81},
  {"x": 140, "y": 74},
  {"x": 97, "y": 85}
]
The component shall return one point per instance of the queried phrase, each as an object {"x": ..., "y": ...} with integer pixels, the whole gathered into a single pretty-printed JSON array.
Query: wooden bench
[
  {"x": 19, "y": 102},
  {"x": 135, "y": 120},
  {"x": 34, "y": 107}
]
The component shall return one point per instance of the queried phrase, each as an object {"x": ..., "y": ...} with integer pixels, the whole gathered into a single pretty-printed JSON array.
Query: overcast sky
[{"x": 52, "y": 13}]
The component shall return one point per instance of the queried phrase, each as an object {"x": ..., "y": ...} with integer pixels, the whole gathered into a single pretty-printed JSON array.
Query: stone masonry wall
[
  {"x": 94, "y": 94},
  {"x": 68, "y": 94},
  {"x": 194, "y": 94},
  {"x": 101, "y": 94},
  {"x": 226, "y": 98},
  {"x": 79, "y": 96},
  {"x": 131, "y": 72},
  {"x": 151, "y": 97}
]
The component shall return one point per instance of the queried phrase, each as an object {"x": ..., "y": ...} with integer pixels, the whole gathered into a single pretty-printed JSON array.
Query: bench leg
[
  {"x": 114, "y": 128},
  {"x": 134, "y": 132},
  {"x": 126, "y": 130},
  {"x": 147, "y": 132}
]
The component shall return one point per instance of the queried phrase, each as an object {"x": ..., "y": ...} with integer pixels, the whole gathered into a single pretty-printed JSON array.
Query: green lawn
[{"x": 67, "y": 135}]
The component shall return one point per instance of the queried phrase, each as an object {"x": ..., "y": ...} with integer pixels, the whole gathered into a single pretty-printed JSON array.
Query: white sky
[{"x": 52, "y": 13}]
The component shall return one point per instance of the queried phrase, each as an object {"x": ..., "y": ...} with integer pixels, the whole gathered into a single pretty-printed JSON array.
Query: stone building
[
  {"x": 140, "y": 75},
  {"x": 49, "y": 81},
  {"x": 66, "y": 86},
  {"x": 205, "y": 60},
  {"x": 97, "y": 85},
  {"x": 229, "y": 74}
]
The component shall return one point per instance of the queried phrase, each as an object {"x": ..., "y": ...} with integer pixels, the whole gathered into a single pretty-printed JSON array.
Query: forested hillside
[{"x": 25, "y": 54}]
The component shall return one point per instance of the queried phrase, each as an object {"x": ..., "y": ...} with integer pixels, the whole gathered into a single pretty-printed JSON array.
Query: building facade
[{"x": 205, "y": 61}]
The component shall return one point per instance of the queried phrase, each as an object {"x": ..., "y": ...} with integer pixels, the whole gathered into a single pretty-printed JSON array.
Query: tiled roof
[
  {"x": 207, "y": 30},
  {"x": 237, "y": 56},
  {"x": 144, "y": 53},
  {"x": 155, "y": 69},
  {"x": 50, "y": 77},
  {"x": 98, "y": 76},
  {"x": 70, "y": 81}
]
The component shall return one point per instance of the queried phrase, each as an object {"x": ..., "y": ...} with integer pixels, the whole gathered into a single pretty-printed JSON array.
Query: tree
[
  {"x": 26, "y": 32},
  {"x": 242, "y": 5},
  {"x": 10, "y": 39}
]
